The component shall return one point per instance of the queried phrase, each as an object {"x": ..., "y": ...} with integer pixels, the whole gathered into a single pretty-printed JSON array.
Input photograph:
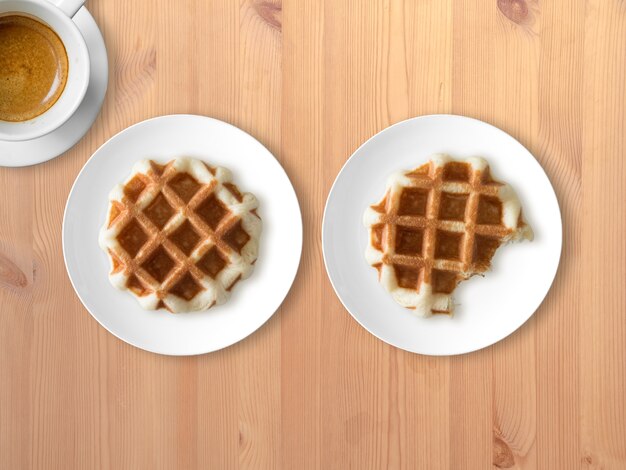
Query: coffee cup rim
[{"x": 78, "y": 71}]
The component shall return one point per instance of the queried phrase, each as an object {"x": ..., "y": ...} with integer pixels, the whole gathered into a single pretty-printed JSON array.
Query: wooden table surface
[{"x": 312, "y": 389}]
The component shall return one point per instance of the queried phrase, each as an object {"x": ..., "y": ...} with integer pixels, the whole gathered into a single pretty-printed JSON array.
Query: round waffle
[
  {"x": 180, "y": 235},
  {"x": 438, "y": 225}
]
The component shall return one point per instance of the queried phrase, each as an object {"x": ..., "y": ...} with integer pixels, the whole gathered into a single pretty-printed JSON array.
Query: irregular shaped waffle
[
  {"x": 438, "y": 225},
  {"x": 180, "y": 235}
]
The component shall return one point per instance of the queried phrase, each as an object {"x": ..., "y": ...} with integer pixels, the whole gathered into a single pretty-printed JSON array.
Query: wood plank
[
  {"x": 302, "y": 157},
  {"x": 602, "y": 325},
  {"x": 18, "y": 274},
  {"x": 558, "y": 149}
]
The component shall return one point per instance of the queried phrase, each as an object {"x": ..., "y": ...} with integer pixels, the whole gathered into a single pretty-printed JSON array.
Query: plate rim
[
  {"x": 129, "y": 129},
  {"x": 333, "y": 188}
]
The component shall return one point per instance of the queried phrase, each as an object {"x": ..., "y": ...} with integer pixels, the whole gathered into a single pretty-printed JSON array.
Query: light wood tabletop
[{"x": 312, "y": 389}]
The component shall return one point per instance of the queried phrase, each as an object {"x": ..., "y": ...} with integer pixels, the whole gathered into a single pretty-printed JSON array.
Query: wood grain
[{"x": 311, "y": 389}]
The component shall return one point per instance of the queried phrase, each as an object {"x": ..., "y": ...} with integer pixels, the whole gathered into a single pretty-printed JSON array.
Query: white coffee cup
[{"x": 58, "y": 16}]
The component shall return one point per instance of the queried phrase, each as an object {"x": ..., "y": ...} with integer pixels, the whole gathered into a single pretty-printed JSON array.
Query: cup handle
[{"x": 69, "y": 7}]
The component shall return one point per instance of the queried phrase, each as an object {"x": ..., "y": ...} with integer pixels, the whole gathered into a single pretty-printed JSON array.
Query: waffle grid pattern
[
  {"x": 180, "y": 235},
  {"x": 436, "y": 226}
]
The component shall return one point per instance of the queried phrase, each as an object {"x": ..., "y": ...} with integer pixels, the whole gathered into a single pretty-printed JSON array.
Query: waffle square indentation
[
  {"x": 413, "y": 201},
  {"x": 452, "y": 206},
  {"x": 444, "y": 282},
  {"x": 456, "y": 171},
  {"x": 185, "y": 237},
  {"x": 489, "y": 210},
  {"x": 236, "y": 237},
  {"x": 159, "y": 211},
  {"x": 484, "y": 249},
  {"x": 409, "y": 241},
  {"x": 184, "y": 185},
  {"x": 407, "y": 276},
  {"x": 212, "y": 211},
  {"x": 448, "y": 245},
  {"x": 212, "y": 262},
  {"x": 132, "y": 238},
  {"x": 159, "y": 264},
  {"x": 186, "y": 288}
]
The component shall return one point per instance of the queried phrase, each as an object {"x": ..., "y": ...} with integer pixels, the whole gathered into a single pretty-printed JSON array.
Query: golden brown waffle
[
  {"x": 180, "y": 235},
  {"x": 438, "y": 225}
]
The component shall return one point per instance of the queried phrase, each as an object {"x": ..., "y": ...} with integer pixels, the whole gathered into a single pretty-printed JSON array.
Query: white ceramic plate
[
  {"x": 49, "y": 146},
  {"x": 488, "y": 308},
  {"x": 254, "y": 170}
]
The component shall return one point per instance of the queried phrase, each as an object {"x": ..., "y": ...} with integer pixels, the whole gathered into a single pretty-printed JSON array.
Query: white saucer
[
  {"x": 49, "y": 146},
  {"x": 254, "y": 170},
  {"x": 488, "y": 308}
]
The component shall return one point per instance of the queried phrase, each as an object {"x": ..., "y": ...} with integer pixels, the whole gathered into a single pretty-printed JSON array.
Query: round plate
[
  {"x": 254, "y": 170},
  {"x": 49, "y": 146},
  {"x": 488, "y": 308}
]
